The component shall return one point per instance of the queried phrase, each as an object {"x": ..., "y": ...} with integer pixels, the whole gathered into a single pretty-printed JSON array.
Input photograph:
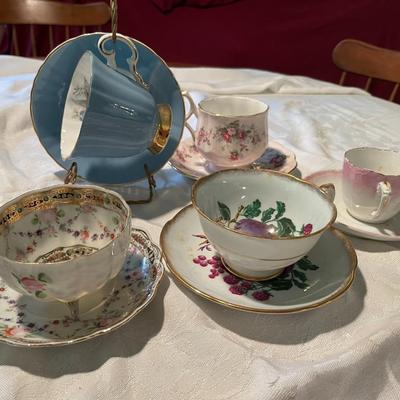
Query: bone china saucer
[
  {"x": 388, "y": 231},
  {"x": 49, "y": 93},
  {"x": 26, "y": 322},
  {"x": 317, "y": 279},
  {"x": 189, "y": 162}
]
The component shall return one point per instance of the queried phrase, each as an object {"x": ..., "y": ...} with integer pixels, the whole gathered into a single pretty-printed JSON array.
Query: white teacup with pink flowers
[{"x": 231, "y": 131}]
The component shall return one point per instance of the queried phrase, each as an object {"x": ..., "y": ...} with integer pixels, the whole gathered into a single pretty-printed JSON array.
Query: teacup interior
[
  {"x": 386, "y": 162},
  {"x": 76, "y": 105},
  {"x": 264, "y": 197},
  {"x": 54, "y": 227},
  {"x": 232, "y": 106}
]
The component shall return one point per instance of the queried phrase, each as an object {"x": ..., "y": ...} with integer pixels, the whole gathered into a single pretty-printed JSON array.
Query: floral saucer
[
  {"x": 317, "y": 279},
  {"x": 189, "y": 162},
  {"x": 26, "y": 322},
  {"x": 388, "y": 231}
]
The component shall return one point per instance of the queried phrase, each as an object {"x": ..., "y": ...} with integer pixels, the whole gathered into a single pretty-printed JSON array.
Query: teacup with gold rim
[
  {"x": 262, "y": 221},
  {"x": 63, "y": 242},
  {"x": 231, "y": 131}
]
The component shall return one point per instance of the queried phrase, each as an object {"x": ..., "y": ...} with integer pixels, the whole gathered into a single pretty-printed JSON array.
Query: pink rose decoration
[
  {"x": 31, "y": 284},
  {"x": 227, "y": 137},
  {"x": 16, "y": 331},
  {"x": 85, "y": 235},
  {"x": 104, "y": 322},
  {"x": 241, "y": 135},
  {"x": 307, "y": 229},
  {"x": 87, "y": 208},
  {"x": 48, "y": 216},
  {"x": 234, "y": 156}
]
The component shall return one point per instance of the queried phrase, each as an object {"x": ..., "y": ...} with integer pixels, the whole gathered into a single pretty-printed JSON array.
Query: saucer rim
[
  {"x": 347, "y": 228},
  {"x": 329, "y": 299},
  {"x": 57, "y": 161},
  {"x": 271, "y": 142},
  {"x": 20, "y": 342}
]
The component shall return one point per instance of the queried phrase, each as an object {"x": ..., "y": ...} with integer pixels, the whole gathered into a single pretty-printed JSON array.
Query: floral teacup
[
  {"x": 231, "y": 131},
  {"x": 262, "y": 221},
  {"x": 63, "y": 242}
]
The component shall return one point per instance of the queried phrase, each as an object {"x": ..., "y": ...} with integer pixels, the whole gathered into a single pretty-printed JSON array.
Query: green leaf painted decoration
[
  {"x": 280, "y": 284},
  {"x": 305, "y": 264},
  {"x": 267, "y": 214},
  {"x": 252, "y": 210},
  {"x": 40, "y": 294},
  {"x": 279, "y": 225},
  {"x": 35, "y": 220},
  {"x": 300, "y": 275},
  {"x": 115, "y": 220},
  {"x": 300, "y": 285},
  {"x": 61, "y": 213},
  {"x": 280, "y": 209},
  {"x": 42, "y": 277},
  {"x": 224, "y": 211},
  {"x": 286, "y": 227}
]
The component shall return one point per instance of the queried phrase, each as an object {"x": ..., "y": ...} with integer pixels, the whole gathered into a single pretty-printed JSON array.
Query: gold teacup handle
[
  {"x": 328, "y": 189},
  {"x": 192, "y": 111},
  {"x": 110, "y": 55}
]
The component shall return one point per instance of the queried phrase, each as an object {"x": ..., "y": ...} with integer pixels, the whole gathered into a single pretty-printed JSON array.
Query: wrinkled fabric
[{"x": 185, "y": 347}]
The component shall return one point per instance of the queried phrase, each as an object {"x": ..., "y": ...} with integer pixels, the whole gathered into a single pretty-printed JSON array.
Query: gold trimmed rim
[
  {"x": 176, "y": 275},
  {"x": 49, "y": 188},
  {"x": 36, "y": 129},
  {"x": 201, "y": 103},
  {"x": 252, "y": 165},
  {"x": 263, "y": 171},
  {"x": 377, "y": 149},
  {"x": 64, "y": 342},
  {"x": 250, "y": 278}
]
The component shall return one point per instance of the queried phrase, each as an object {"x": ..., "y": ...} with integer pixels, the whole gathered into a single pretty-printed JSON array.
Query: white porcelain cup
[
  {"x": 261, "y": 221},
  {"x": 371, "y": 183},
  {"x": 231, "y": 130}
]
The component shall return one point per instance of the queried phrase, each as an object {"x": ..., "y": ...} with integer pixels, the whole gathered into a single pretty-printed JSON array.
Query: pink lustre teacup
[
  {"x": 371, "y": 183},
  {"x": 231, "y": 131}
]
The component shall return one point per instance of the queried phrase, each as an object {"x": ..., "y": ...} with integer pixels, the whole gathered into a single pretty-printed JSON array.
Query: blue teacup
[{"x": 110, "y": 114}]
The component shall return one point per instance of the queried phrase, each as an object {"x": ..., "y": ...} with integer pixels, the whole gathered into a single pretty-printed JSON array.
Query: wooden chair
[
  {"x": 51, "y": 13},
  {"x": 361, "y": 58}
]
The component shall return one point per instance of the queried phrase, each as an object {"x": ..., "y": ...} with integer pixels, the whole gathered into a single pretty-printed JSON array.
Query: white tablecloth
[{"x": 183, "y": 347}]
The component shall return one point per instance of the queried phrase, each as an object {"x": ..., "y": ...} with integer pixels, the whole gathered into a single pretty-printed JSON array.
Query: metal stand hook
[
  {"x": 152, "y": 185},
  {"x": 72, "y": 174},
  {"x": 114, "y": 19}
]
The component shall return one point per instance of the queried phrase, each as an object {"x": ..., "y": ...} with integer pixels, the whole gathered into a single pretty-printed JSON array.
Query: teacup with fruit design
[
  {"x": 262, "y": 221},
  {"x": 63, "y": 242}
]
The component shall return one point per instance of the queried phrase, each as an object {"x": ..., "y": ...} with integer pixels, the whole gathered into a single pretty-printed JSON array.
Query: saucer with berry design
[
  {"x": 320, "y": 277},
  {"x": 29, "y": 323},
  {"x": 188, "y": 161}
]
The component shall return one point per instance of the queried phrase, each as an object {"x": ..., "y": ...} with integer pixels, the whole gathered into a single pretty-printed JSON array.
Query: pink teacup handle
[
  {"x": 192, "y": 111},
  {"x": 384, "y": 189}
]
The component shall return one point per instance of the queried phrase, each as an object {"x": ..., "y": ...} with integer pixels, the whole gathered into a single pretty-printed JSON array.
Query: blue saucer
[{"x": 48, "y": 98}]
